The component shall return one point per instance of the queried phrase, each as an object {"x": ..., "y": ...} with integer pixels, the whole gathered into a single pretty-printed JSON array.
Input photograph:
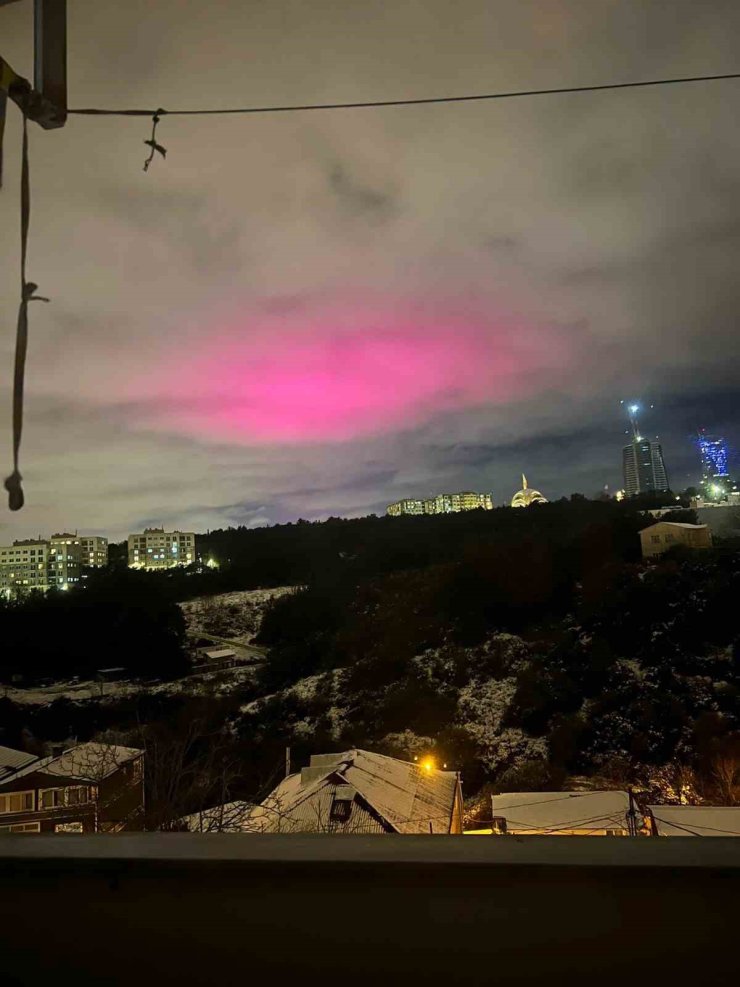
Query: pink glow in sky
[{"x": 345, "y": 377}]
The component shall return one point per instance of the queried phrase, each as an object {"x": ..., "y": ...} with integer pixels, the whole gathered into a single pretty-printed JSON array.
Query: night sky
[{"x": 304, "y": 315}]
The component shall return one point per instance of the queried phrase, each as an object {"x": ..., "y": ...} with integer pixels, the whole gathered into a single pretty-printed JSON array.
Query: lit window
[{"x": 16, "y": 802}]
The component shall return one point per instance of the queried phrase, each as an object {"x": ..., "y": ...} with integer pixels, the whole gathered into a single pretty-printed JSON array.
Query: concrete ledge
[{"x": 197, "y": 909}]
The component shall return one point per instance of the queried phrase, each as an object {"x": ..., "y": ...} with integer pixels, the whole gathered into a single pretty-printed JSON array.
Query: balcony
[{"x": 191, "y": 909}]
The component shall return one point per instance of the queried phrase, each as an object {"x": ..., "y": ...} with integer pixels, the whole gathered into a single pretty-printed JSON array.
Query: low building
[
  {"x": 156, "y": 548},
  {"x": 214, "y": 658},
  {"x": 361, "y": 792},
  {"x": 562, "y": 814},
  {"x": 664, "y": 535},
  {"x": 90, "y": 788},
  {"x": 445, "y": 503},
  {"x": 694, "y": 820}
]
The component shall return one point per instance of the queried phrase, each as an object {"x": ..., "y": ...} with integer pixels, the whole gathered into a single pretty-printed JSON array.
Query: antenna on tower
[{"x": 632, "y": 409}]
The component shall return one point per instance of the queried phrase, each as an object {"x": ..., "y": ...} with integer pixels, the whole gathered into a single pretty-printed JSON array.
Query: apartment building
[
  {"x": 94, "y": 551},
  {"x": 54, "y": 563},
  {"x": 155, "y": 548},
  {"x": 450, "y": 503},
  {"x": 24, "y": 566},
  {"x": 64, "y": 560}
]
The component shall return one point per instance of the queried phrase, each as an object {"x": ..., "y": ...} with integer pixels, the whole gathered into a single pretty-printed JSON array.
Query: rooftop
[
  {"x": 89, "y": 762},
  {"x": 11, "y": 760},
  {"x": 384, "y": 795},
  {"x": 696, "y": 820},
  {"x": 554, "y": 811}
]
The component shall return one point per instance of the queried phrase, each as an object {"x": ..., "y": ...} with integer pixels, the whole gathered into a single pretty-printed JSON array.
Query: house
[
  {"x": 660, "y": 537},
  {"x": 694, "y": 820},
  {"x": 89, "y": 788},
  {"x": 212, "y": 658},
  {"x": 361, "y": 792},
  {"x": 562, "y": 814},
  {"x": 232, "y": 817}
]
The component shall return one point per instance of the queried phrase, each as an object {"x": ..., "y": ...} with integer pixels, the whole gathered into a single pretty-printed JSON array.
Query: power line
[{"x": 304, "y": 107}]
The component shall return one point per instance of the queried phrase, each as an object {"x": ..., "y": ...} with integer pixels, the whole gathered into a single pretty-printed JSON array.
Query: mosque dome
[{"x": 527, "y": 496}]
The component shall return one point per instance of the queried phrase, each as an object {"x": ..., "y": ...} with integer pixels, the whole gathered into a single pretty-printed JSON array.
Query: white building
[
  {"x": 24, "y": 566},
  {"x": 94, "y": 551},
  {"x": 55, "y": 563},
  {"x": 65, "y": 560},
  {"x": 156, "y": 548}
]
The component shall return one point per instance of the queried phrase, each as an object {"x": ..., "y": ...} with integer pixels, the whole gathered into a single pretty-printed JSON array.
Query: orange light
[{"x": 428, "y": 764}]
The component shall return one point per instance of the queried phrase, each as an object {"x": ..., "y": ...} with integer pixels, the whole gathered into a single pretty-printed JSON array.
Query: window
[
  {"x": 16, "y": 802},
  {"x": 70, "y": 827},
  {"x": 51, "y": 798},
  {"x": 77, "y": 796},
  {"x": 655, "y": 539},
  {"x": 22, "y": 828},
  {"x": 340, "y": 810}
]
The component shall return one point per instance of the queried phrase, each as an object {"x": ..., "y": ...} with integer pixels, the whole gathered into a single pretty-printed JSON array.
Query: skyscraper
[
  {"x": 714, "y": 458},
  {"x": 643, "y": 465}
]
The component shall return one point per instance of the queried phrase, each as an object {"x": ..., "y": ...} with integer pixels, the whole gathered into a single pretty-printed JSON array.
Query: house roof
[
  {"x": 388, "y": 795},
  {"x": 11, "y": 760},
  {"x": 232, "y": 817},
  {"x": 215, "y": 653},
  {"x": 554, "y": 811},
  {"x": 696, "y": 820},
  {"x": 86, "y": 762},
  {"x": 675, "y": 524}
]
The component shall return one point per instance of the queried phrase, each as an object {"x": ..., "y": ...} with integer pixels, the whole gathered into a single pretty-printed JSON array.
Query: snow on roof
[
  {"x": 11, "y": 760},
  {"x": 554, "y": 811},
  {"x": 89, "y": 762},
  {"x": 232, "y": 817},
  {"x": 216, "y": 653},
  {"x": 389, "y": 796},
  {"x": 696, "y": 820},
  {"x": 675, "y": 524}
]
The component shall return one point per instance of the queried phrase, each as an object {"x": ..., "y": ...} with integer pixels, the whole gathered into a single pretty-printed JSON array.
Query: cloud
[{"x": 315, "y": 314}]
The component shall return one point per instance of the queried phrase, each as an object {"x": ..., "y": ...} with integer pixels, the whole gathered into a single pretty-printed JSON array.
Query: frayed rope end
[{"x": 15, "y": 491}]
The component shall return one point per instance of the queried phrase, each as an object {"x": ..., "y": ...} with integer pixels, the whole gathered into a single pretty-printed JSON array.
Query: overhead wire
[
  {"x": 421, "y": 101},
  {"x": 13, "y": 482}
]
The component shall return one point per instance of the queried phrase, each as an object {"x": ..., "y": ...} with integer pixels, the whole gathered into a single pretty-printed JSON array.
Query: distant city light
[
  {"x": 212, "y": 564},
  {"x": 634, "y": 408}
]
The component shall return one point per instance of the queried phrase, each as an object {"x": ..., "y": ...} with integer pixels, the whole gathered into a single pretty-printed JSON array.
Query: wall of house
[{"x": 189, "y": 908}]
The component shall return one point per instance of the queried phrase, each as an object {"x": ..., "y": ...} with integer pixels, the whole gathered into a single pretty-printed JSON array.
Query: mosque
[{"x": 527, "y": 496}]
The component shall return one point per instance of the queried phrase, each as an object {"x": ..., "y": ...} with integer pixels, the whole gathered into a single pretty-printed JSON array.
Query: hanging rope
[
  {"x": 13, "y": 482},
  {"x": 152, "y": 142}
]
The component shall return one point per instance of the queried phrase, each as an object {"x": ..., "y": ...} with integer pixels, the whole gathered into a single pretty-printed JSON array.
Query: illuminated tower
[
  {"x": 713, "y": 452},
  {"x": 642, "y": 461}
]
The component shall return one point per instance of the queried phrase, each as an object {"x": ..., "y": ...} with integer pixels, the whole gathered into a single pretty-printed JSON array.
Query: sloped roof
[
  {"x": 11, "y": 760},
  {"x": 554, "y": 811},
  {"x": 232, "y": 817},
  {"x": 675, "y": 524},
  {"x": 389, "y": 796},
  {"x": 696, "y": 820},
  {"x": 86, "y": 762}
]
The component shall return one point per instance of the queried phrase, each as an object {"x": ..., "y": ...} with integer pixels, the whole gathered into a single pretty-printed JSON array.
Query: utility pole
[
  {"x": 631, "y": 815},
  {"x": 287, "y": 761},
  {"x": 46, "y": 101}
]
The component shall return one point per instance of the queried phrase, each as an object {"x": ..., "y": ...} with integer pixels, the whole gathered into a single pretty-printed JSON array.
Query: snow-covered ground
[
  {"x": 218, "y": 682},
  {"x": 232, "y": 616}
]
